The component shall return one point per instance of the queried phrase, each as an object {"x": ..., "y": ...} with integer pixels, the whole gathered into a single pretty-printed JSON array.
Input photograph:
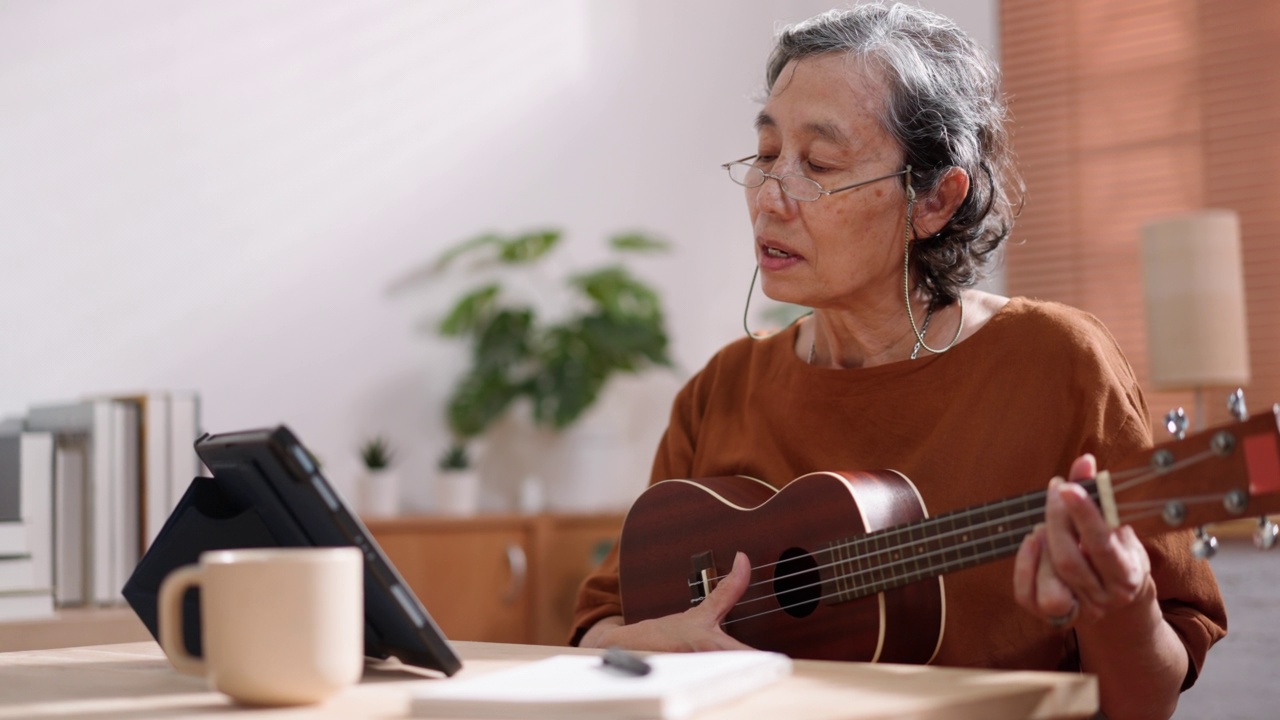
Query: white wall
[{"x": 216, "y": 195}]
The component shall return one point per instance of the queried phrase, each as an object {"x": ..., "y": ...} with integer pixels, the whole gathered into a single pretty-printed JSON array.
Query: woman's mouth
[{"x": 775, "y": 258}]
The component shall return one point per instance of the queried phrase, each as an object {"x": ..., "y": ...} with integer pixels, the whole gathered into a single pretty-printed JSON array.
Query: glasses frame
[{"x": 822, "y": 192}]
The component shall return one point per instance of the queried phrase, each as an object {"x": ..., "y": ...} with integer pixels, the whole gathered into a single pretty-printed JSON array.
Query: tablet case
[
  {"x": 266, "y": 492},
  {"x": 205, "y": 519}
]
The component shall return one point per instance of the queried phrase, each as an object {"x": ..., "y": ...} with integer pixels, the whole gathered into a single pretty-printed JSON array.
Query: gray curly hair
[{"x": 945, "y": 109}]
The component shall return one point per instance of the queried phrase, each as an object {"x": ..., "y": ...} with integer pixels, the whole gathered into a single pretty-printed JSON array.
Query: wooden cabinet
[{"x": 498, "y": 578}]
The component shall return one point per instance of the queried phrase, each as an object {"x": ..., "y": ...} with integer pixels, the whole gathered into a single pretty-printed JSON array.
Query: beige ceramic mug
[{"x": 279, "y": 626}]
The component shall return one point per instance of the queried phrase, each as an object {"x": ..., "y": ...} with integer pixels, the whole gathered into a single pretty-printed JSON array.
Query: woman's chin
[{"x": 781, "y": 292}]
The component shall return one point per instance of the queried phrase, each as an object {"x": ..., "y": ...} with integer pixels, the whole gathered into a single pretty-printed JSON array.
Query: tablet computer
[{"x": 267, "y": 490}]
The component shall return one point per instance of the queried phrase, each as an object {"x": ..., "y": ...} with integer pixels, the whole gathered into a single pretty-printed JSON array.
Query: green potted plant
[
  {"x": 560, "y": 363},
  {"x": 379, "y": 486}
]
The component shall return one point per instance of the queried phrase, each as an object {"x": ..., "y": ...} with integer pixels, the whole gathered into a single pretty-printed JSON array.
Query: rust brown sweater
[{"x": 997, "y": 416}]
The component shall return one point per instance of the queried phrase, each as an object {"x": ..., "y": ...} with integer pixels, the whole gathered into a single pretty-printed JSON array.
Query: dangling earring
[
  {"x": 906, "y": 283},
  {"x": 747, "y": 309}
]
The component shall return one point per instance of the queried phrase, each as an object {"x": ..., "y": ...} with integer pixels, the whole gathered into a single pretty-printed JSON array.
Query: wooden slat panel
[{"x": 1125, "y": 112}]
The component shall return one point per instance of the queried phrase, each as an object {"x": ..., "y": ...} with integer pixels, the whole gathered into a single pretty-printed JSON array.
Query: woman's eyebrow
[{"x": 824, "y": 130}]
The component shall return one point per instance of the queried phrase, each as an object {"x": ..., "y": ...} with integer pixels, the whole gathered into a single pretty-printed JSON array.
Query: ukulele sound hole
[{"x": 796, "y": 583}]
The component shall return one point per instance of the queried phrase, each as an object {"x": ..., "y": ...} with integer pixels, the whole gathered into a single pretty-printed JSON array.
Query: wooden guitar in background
[{"x": 848, "y": 566}]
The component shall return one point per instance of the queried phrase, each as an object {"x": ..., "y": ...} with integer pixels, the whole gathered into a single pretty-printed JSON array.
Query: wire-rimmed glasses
[{"x": 797, "y": 187}]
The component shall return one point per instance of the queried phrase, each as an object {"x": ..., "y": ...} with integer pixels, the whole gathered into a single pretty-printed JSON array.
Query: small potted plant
[
  {"x": 458, "y": 483},
  {"x": 379, "y": 487}
]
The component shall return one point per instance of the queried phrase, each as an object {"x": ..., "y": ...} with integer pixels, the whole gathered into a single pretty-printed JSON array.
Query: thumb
[{"x": 730, "y": 588}]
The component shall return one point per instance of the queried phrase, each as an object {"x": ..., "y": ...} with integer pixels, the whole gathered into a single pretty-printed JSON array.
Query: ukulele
[{"x": 874, "y": 593}]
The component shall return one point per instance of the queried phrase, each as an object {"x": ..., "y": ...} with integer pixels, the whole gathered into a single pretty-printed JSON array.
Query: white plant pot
[
  {"x": 379, "y": 493},
  {"x": 457, "y": 492}
]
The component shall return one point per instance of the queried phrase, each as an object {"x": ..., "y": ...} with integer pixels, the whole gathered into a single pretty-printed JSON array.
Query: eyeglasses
[{"x": 797, "y": 187}]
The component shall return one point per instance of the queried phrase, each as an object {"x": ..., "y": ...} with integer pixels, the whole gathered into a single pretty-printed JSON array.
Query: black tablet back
[{"x": 266, "y": 491}]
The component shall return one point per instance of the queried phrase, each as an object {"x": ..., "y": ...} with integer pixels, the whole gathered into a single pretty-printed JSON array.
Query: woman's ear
[{"x": 934, "y": 211}]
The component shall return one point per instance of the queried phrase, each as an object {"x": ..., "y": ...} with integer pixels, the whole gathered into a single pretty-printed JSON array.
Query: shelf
[{"x": 73, "y": 627}]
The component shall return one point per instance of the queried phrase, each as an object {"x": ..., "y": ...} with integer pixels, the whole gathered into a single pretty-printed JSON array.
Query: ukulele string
[
  {"x": 993, "y": 554},
  {"x": 1015, "y": 534},
  {"x": 856, "y": 546},
  {"x": 1149, "y": 476},
  {"x": 1145, "y": 509}
]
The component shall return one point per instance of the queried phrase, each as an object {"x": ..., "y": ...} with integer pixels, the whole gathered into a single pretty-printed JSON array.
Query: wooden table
[{"x": 134, "y": 680}]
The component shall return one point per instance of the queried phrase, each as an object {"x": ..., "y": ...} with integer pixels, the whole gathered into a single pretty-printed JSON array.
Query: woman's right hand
[{"x": 695, "y": 629}]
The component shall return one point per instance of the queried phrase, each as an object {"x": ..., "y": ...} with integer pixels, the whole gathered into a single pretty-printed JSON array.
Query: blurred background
[
  {"x": 218, "y": 196},
  {"x": 242, "y": 200}
]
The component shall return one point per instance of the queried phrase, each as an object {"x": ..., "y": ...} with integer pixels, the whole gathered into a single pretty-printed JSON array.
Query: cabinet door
[
  {"x": 474, "y": 582},
  {"x": 574, "y": 545}
]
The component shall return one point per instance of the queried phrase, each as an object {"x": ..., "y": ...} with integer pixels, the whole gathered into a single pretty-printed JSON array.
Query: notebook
[{"x": 580, "y": 686}]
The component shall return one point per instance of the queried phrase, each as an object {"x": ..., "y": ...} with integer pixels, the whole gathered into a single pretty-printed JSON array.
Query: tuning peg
[
  {"x": 1175, "y": 421},
  {"x": 1264, "y": 535},
  {"x": 1235, "y": 403},
  {"x": 1205, "y": 545}
]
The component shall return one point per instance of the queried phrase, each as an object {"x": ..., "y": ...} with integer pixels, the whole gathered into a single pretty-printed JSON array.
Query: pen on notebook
[{"x": 625, "y": 662}]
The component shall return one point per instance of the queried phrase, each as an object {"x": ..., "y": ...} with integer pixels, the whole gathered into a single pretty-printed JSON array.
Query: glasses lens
[
  {"x": 801, "y": 188},
  {"x": 746, "y": 175}
]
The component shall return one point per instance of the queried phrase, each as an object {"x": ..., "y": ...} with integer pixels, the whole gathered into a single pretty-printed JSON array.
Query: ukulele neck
[{"x": 883, "y": 560}]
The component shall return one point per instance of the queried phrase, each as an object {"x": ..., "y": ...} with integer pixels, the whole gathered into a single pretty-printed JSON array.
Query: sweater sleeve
[{"x": 1186, "y": 589}]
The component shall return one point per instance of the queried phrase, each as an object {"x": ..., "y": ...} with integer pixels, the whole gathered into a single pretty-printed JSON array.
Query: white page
[{"x": 565, "y": 686}]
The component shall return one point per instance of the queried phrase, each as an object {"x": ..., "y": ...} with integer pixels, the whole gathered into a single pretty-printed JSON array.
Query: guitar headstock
[{"x": 1229, "y": 472}]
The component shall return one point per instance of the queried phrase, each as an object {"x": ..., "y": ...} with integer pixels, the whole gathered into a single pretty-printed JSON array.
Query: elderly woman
[{"x": 879, "y": 187}]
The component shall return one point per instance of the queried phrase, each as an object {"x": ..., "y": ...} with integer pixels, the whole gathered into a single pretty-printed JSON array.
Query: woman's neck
[{"x": 882, "y": 334}]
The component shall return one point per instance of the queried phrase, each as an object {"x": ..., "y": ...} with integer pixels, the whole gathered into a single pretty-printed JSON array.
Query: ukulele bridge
[{"x": 701, "y": 579}]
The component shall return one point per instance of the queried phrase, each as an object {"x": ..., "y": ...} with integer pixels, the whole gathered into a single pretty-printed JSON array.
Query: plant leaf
[
  {"x": 470, "y": 312},
  {"x": 638, "y": 242},
  {"x": 570, "y": 381},
  {"x": 528, "y": 247},
  {"x": 618, "y": 293},
  {"x": 626, "y": 343},
  {"x": 505, "y": 340},
  {"x": 480, "y": 398},
  {"x": 466, "y": 246}
]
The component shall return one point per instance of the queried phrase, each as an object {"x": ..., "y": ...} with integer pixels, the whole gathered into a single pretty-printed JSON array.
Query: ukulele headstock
[{"x": 1229, "y": 472}]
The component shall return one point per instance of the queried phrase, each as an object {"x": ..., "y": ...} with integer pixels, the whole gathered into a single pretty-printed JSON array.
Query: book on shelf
[
  {"x": 120, "y": 464},
  {"x": 184, "y": 430},
  {"x": 168, "y": 425},
  {"x": 18, "y": 572},
  {"x": 581, "y": 686},
  {"x": 26, "y": 544},
  {"x": 125, "y": 498},
  {"x": 70, "y": 519},
  {"x": 32, "y": 463},
  {"x": 14, "y": 539},
  {"x": 86, "y": 530},
  {"x": 153, "y": 502},
  {"x": 10, "y": 482},
  {"x": 26, "y": 461},
  {"x": 25, "y": 605}
]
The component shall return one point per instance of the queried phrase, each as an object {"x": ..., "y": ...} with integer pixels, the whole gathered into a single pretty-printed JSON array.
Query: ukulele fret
[
  {"x": 887, "y": 559},
  {"x": 839, "y": 585}
]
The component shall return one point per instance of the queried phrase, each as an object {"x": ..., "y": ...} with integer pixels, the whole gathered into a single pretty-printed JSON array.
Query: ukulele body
[{"x": 681, "y": 535}]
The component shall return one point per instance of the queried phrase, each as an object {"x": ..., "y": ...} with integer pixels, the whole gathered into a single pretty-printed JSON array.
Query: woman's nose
[{"x": 770, "y": 197}]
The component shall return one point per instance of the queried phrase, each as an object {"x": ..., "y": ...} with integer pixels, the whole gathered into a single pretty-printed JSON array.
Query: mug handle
[{"x": 170, "y": 611}]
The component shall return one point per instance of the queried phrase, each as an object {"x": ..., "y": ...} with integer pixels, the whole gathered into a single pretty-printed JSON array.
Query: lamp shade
[{"x": 1194, "y": 288}]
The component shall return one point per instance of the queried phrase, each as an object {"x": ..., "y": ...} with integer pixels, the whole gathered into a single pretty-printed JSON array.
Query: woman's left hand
[{"x": 1075, "y": 568}]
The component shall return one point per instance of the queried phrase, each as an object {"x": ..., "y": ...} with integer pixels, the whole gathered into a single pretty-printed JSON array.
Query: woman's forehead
[{"x": 831, "y": 97}]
